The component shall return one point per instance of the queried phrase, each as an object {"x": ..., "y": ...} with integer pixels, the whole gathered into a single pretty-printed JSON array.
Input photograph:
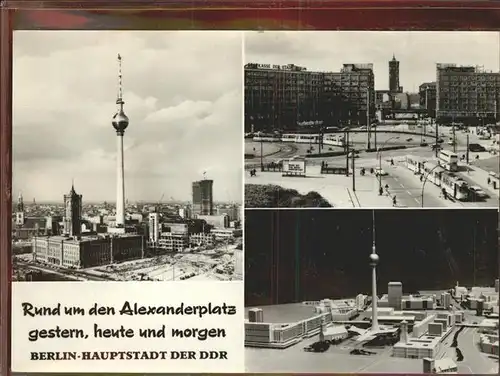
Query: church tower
[
  {"x": 72, "y": 213},
  {"x": 20, "y": 210}
]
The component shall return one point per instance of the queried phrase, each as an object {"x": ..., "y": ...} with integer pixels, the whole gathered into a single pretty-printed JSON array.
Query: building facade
[
  {"x": 72, "y": 213},
  {"x": 217, "y": 221},
  {"x": 427, "y": 93},
  {"x": 154, "y": 227},
  {"x": 85, "y": 252},
  {"x": 285, "y": 97},
  {"x": 203, "y": 200},
  {"x": 173, "y": 242},
  {"x": 466, "y": 94}
]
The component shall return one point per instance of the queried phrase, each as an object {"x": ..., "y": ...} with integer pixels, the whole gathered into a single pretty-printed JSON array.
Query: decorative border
[{"x": 200, "y": 15}]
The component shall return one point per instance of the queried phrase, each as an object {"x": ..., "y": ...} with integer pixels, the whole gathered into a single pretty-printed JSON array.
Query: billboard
[{"x": 294, "y": 167}]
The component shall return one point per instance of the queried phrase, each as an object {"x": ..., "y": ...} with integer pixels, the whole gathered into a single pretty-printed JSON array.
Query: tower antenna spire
[{"x": 119, "y": 99}]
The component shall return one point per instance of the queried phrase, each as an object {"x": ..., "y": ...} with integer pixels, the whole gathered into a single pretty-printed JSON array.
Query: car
[
  {"x": 363, "y": 127},
  {"x": 476, "y": 148},
  {"x": 451, "y": 142},
  {"x": 478, "y": 191},
  {"x": 436, "y": 146},
  {"x": 380, "y": 172},
  {"x": 409, "y": 139},
  {"x": 440, "y": 141},
  {"x": 424, "y": 144}
]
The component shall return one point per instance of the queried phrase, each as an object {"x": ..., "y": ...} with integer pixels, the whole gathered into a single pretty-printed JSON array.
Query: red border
[{"x": 204, "y": 15}]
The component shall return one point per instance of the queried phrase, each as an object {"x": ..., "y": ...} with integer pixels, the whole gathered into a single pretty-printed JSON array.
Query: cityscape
[
  {"x": 314, "y": 302},
  {"x": 422, "y": 131},
  {"x": 72, "y": 239}
]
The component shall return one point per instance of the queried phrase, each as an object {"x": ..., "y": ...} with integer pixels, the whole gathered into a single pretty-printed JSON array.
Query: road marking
[
  {"x": 401, "y": 185},
  {"x": 409, "y": 193},
  {"x": 418, "y": 202}
]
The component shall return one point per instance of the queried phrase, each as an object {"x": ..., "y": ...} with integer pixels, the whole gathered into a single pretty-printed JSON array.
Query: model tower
[
  {"x": 120, "y": 123},
  {"x": 373, "y": 263}
]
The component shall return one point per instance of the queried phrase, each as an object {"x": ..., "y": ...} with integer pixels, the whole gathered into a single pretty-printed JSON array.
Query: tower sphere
[
  {"x": 120, "y": 121},
  {"x": 374, "y": 259}
]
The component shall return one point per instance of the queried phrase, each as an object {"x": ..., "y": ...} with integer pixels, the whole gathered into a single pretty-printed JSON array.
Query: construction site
[{"x": 216, "y": 264}]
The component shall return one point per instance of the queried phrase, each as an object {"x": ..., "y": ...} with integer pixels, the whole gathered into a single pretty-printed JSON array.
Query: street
[{"x": 474, "y": 362}]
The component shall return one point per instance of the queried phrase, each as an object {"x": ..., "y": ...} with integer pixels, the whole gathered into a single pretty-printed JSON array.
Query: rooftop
[{"x": 285, "y": 313}]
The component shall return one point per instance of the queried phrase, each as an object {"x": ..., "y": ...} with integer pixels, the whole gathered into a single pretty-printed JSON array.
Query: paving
[{"x": 336, "y": 189}]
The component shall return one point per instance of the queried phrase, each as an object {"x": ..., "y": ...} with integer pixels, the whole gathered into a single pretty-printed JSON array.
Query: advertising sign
[{"x": 294, "y": 167}]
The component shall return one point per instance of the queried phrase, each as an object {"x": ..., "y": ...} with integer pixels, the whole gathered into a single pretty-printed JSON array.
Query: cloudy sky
[
  {"x": 418, "y": 52},
  {"x": 182, "y": 93}
]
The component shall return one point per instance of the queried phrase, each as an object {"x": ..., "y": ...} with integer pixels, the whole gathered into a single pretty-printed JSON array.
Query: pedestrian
[
  {"x": 380, "y": 191},
  {"x": 421, "y": 177},
  {"x": 394, "y": 202},
  {"x": 387, "y": 187},
  {"x": 489, "y": 181},
  {"x": 372, "y": 170},
  {"x": 392, "y": 162}
]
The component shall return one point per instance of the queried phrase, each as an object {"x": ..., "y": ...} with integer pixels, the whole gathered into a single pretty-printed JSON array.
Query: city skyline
[
  {"x": 417, "y": 52},
  {"x": 178, "y": 108}
]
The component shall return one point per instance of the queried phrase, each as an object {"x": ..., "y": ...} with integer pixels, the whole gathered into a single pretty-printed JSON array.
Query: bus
[
  {"x": 415, "y": 164},
  {"x": 448, "y": 160},
  {"x": 435, "y": 176},
  {"x": 454, "y": 186}
]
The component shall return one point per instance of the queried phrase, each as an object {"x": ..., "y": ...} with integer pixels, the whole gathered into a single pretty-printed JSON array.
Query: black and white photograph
[
  {"x": 371, "y": 119},
  {"x": 368, "y": 291},
  {"x": 127, "y": 156}
]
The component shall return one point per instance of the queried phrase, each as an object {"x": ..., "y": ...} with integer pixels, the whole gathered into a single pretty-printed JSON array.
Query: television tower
[
  {"x": 120, "y": 123},
  {"x": 373, "y": 262}
]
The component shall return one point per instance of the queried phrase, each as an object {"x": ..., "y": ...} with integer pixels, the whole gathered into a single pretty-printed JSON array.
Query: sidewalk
[
  {"x": 336, "y": 189},
  {"x": 480, "y": 178}
]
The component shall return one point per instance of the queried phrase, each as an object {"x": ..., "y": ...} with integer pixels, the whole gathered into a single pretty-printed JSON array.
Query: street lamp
[
  {"x": 423, "y": 184},
  {"x": 261, "y": 154},
  {"x": 379, "y": 157}
]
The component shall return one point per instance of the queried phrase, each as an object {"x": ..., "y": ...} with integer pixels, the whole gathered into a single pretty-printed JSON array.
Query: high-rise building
[
  {"x": 20, "y": 216},
  {"x": 120, "y": 123},
  {"x": 203, "y": 203},
  {"x": 395, "y": 295},
  {"x": 289, "y": 96},
  {"x": 154, "y": 227},
  {"x": 394, "y": 76},
  {"x": 72, "y": 213},
  {"x": 466, "y": 94},
  {"x": 427, "y": 93}
]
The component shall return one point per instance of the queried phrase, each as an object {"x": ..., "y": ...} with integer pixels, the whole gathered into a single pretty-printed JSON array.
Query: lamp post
[
  {"x": 379, "y": 157},
  {"x": 423, "y": 184},
  {"x": 261, "y": 154},
  {"x": 346, "y": 141},
  {"x": 353, "y": 154}
]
